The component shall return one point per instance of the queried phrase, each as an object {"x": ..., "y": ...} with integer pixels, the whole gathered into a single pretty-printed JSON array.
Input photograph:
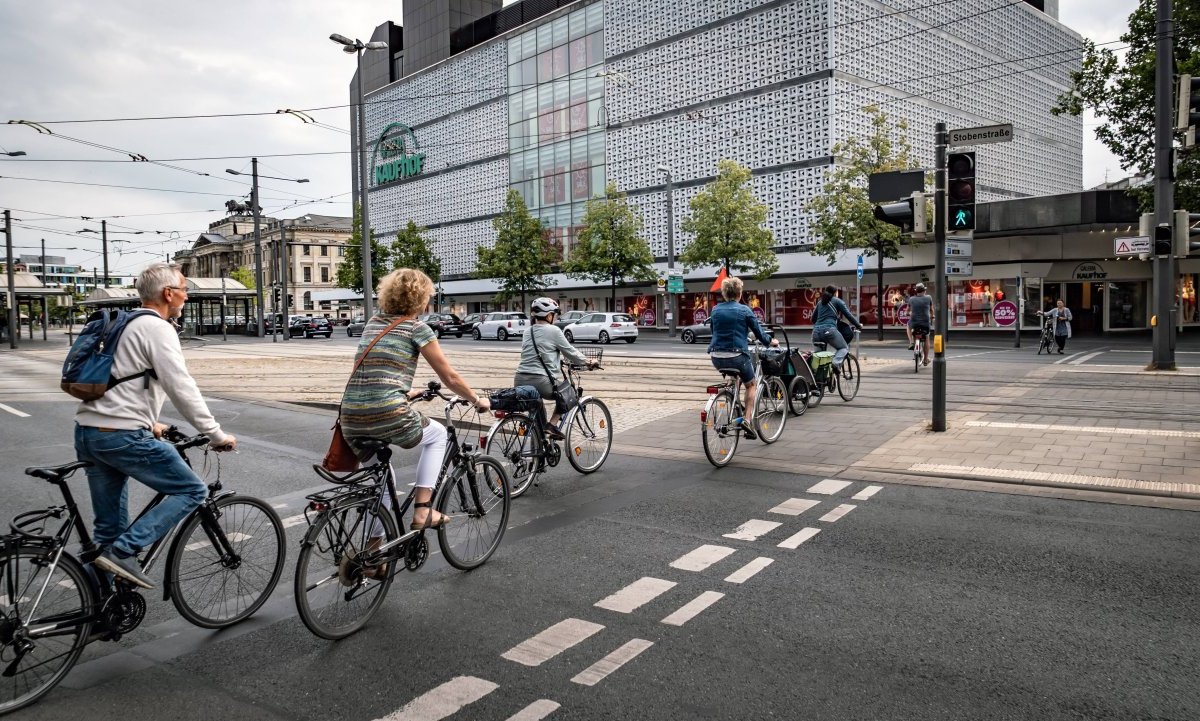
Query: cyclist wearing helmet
[{"x": 547, "y": 340}]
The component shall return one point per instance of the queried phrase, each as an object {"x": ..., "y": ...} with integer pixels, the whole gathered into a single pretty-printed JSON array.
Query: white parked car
[
  {"x": 603, "y": 328},
  {"x": 501, "y": 325}
]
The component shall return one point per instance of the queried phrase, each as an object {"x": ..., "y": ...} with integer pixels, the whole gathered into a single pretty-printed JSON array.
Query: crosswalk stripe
[
  {"x": 636, "y": 595},
  {"x": 535, "y": 711},
  {"x": 866, "y": 493},
  {"x": 746, "y": 572},
  {"x": 801, "y": 537},
  {"x": 828, "y": 487},
  {"x": 13, "y": 411},
  {"x": 600, "y": 670},
  {"x": 752, "y": 529},
  {"x": 692, "y": 608},
  {"x": 837, "y": 512},
  {"x": 701, "y": 558},
  {"x": 443, "y": 701},
  {"x": 551, "y": 642},
  {"x": 794, "y": 506}
]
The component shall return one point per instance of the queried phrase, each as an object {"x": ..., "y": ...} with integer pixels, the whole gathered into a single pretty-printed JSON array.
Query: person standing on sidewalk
[
  {"x": 1061, "y": 315},
  {"x": 119, "y": 432}
]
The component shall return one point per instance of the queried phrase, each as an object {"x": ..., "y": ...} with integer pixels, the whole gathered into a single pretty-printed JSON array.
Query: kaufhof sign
[{"x": 397, "y": 155}]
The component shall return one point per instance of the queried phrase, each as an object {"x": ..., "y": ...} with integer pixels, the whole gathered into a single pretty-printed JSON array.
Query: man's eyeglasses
[{"x": 174, "y": 287}]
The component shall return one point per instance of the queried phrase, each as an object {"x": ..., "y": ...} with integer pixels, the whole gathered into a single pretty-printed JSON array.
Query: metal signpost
[{"x": 858, "y": 305}]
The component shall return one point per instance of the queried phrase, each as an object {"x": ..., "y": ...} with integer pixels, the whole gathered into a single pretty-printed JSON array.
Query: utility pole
[
  {"x": 258, "y": 254},
  {"x": 368, "y": 281},
  {"x": 104, "y": 248},
  {"x": 45, "y": 301},
  {"x": 12, "y": 282},
  {"x": 939, "y": 280},
  {"x": 1163, "y": 351},
  {"x": 283, "y": 278},
  {"x": 224, "y": 300},
  {"x": 672, "y": 311}
]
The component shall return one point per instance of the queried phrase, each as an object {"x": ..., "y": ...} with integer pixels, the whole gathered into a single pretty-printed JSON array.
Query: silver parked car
[
  {"x": 603, "y": 328},
  {"x": 501, "y": 325}
]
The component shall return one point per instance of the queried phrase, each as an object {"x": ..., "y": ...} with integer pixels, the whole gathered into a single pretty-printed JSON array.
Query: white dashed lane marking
[
  {"x": 793, "y": 506},
  {"x": 636, "y": 595},
  {"x": 837, "y": 513},
  {"x": 13, "y": 411},
  {"x": 752, "y": 529},
  {"x": 747, "y": 572},
  {"x": 600, "y": 670},
  {"x": 535, "y": 711},
  {"x": 701, "y": 558},
  {"x": 551, "y": 642},
  {"x": 866, "y": 493},
  {"x": 801, "y": 537},
  {"x": 233, "y": 537},
  {"x": 443, "y": 701},
  {"x": 293, "y": 521},
  {"x": 828, "y": 487},
  {"x": 692, "y": 608}
]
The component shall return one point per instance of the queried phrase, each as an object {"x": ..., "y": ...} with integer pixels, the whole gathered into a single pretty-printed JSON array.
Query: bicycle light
[{"x": 712, "y": 389}]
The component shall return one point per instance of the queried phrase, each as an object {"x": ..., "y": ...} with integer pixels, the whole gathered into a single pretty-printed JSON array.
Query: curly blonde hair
[
  {"x": 731, "y": 288},
  {"x": 404, "y": 291}
]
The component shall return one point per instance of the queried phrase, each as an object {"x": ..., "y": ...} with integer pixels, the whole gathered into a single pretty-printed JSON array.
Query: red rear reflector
[
  {"x": 317, "y": 506},
  {"x": 704, "y": 416},
  {"x": 482, "y": 442},
  {"x": 712, "y": 389},
  {"x": 500, "y": 414}
]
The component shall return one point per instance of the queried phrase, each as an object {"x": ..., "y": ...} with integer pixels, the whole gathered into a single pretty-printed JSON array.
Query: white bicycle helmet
[{"x": 543, "y": 307}]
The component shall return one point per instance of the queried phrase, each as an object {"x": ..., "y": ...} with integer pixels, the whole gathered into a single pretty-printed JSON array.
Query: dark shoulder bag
[
  {"x": 565, "y": 395},
  {"x": 340, "y": 458},
  {"x": 843, "y": 327}
]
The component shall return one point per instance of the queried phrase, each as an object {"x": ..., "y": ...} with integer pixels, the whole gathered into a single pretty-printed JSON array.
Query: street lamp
[
  {"x": 285, "y": 266},
  {"x": 15, "y": 153},
  {"x": 671, "y": 314},
  {"x": 356, "y": 47},
  {"x": 258, "y": 259}
]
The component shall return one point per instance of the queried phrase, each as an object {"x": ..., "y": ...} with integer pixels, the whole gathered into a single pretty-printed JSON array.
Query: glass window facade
[{"x": 556, "y": 119}]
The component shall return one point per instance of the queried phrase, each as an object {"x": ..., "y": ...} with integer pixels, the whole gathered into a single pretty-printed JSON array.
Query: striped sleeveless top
[{"x": 375, "y": 404}]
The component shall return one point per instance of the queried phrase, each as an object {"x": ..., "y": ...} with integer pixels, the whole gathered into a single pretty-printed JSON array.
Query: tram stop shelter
[
  {"x": 29, "y": 291},
  {"x": 210, "y": 302}
]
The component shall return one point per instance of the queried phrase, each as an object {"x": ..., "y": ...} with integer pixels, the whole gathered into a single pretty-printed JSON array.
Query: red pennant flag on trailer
[{"x": 716, "y": 286}]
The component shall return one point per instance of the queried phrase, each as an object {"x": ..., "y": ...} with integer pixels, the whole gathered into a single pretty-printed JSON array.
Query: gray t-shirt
[
  {"x": 550, "y": 342},
  {"x": 920, "y": 310}
]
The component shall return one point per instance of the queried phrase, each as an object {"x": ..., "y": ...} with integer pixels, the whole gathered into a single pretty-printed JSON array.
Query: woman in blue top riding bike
[
  {"x": 729, "y": 349},
  {"x": 825, "y": 320}
]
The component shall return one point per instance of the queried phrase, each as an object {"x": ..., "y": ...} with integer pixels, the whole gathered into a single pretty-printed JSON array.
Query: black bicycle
[
  {"x": 518, "y": 439},
  {"x": 223, "y": 561},
  {"x": 1046, "y": 342},
  {"x": 353, "y": 550}
]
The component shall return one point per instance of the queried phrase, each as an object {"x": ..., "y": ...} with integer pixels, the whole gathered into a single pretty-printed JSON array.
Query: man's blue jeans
[
  {"x": 118, "y": 455},
  {"x": 834, "y": 340}
]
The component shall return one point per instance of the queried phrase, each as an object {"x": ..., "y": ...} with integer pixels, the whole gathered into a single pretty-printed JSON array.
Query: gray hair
[{"x": 151, "y": 281}]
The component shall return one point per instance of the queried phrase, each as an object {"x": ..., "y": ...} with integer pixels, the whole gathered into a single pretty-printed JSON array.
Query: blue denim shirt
[
  {"x": 731, "y": 322},
  {"x": 826, "y": 316}
]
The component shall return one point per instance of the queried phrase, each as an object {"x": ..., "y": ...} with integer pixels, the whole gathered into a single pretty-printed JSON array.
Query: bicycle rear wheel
[
  {"x": 719, "y": 436},
  {"x": 589, "y": 436},
  {"x": 34, "y": 664},
  {"x": 213, "y": 589},
  {"x": 847, "y": 380},
  {"x": 798, "y": 395},
  {"x": 476, "y": 497},
  {"x": 514, "y": 443},
  {"x": 771, "y": 409},
  {"x": 336, "y": 592},
  {"x": 917, "y": 357}
]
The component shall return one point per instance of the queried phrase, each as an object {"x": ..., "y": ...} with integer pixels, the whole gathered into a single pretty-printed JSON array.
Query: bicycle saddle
[
  {"x": 819, "y": 346},
  {"x": 731, "y": 373},
  {"x": 56, "y": 473},
  {"x": 370, "y": 444}
]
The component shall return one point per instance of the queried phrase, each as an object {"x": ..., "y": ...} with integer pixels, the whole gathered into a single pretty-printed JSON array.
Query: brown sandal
[{"x": 414, "y": 526}]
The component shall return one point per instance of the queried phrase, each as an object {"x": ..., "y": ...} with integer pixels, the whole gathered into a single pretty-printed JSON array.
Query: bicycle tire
[
  {"x": 719, "y": 439},
  {"x": 252, "y": 528},
  {"x": 339, "y": 544},
  {"x": 477, "y": 498},
  {"x": 847, "y": 380},
  {"x": 513, "y": 441},
  {"x": 798, "y": 395},
  {"x": 69, "y": 591},
  {"x": 770, "y": 410},
  {"x": 589, "y": 436},
  {"x": 917, "y": 357}
]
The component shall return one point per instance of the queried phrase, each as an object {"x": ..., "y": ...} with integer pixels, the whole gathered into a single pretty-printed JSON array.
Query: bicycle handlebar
[
  {"x": 434, "y": 390},
  {"x": 181, "y": 441}
]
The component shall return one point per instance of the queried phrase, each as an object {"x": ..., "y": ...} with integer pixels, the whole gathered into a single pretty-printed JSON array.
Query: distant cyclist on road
[
  {"x": 920, "y": 318},
  {"x": 546, "y": 340},
  {"x": 825, "y": 320},
  {"x": 732, "y": 323}
]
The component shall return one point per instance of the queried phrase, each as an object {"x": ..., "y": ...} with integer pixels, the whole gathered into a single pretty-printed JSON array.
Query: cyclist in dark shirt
[{"x": 920, "y": 317}]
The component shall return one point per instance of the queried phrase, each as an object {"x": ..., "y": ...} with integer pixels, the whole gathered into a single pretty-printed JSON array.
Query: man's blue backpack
[{"x": 87, "y": 371}]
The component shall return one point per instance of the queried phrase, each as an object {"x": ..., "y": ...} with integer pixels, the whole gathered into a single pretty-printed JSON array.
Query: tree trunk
[
  {"x": 879, "y": 289},
  {"x": 612, "y": 300}
]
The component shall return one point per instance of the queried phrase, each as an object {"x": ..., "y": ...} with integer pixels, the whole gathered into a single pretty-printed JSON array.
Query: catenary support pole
[
  {"x": 939, "y": 280},
  {"x": 45, "y": 302},
  {"x": 12, "y": 283},
  {"x": 672, "y": 298},
  {"x": 104, "y": 248},
  {"x": 283, "y": 278},
  {"x": 365, "y": 225},
  {"x": 258, "y": 254},
  {"x": 1163, "y": 352}
]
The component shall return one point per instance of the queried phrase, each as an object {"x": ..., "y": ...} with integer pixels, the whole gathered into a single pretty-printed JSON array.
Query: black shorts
[{"x": 922, "y": 330}]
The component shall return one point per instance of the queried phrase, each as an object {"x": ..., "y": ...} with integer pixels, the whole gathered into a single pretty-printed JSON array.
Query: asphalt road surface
[{"x": 663, "y": 590}]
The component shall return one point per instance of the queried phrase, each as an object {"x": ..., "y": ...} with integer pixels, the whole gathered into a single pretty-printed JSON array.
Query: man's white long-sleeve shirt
[{"x": 149, "y": 341}]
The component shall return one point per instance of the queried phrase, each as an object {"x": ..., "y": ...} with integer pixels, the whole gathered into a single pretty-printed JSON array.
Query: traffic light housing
[
  {"x": 1187, "y": 115},
  {"x": 276, "y": 296},
  {"x": 1163, "y": 239},
  {"x": 908, "y": 215},
  {"x": 1184, "y": 232},
  {"x": 291, "y": 301},
  {"x": 960, "y": 191}
]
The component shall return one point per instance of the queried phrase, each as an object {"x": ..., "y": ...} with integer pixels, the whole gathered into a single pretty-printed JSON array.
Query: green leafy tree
[
  {"x": 1119, "y": 89},
  {"x": 411, "y": 250},
  {"x": 843, "y": 217},
  {"x": 243, "y": 275},
  {"x": 349, "y": 272},
  {"x": 609, "y": 249},
  {"x": 727, "y": 222},
  {"x": 522, "y": 259}
]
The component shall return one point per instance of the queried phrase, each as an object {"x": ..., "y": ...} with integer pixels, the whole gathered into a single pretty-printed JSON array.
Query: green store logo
[{"x": 397, "y": 154}]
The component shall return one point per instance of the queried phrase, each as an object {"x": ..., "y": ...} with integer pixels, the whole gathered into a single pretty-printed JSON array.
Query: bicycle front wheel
[
  {"x": 771, "y": 409},
  {"x": 223, "y": 567},
  {"x": 35, "y": 594},
  {"x": 514, "y": 443},
  {"x": 717, "y": 431},
  {"x": 336, "y": 591},
  {"x": 589, "y": 436},
  {"x": 847, "y": 380},
  {"x": 476, "y": 497},
  {"x": 798, "y": 395}
]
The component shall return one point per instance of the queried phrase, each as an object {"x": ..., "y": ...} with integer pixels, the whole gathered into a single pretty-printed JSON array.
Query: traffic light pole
[
  {"x": 258, "y": 254},
  {"x": 1163, "y": 352},
  {"x": 939, "y": 281}
]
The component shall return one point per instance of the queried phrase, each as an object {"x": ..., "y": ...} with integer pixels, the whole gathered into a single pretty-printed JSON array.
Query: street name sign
[
  {"x": 959, "y": 267},
  {"x": 958, "y": 249},
  {"x": 982, "y": 135},
  {"x": 1132, "y": 246},
  {"x": 675, "y": 283}
]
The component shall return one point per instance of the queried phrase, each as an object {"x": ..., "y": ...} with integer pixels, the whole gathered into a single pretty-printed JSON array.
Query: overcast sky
[{"x": 97, "y": 59}]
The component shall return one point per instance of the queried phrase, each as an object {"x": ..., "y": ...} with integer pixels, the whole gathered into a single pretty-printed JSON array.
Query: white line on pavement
[
  {"x": 551, "y": 642},
  {"x": 801, "y": 537},
  {"x": 828, "y": 487},
  {"x": 235, "y": 536},
  {"x": 701, "y": 558},
  {"x": 744, "y": 573},
  {"x": 636, "y": 595},
  {"x": 293, "y": 521},
  {"x": 837, "y": 513},
  {"x": 598, "y": 671},
  {"x": 692, "y": 608},
  {"x": 986, "y": 352},
  {"x": 793, "y": 506},
  {"x": 13, "y": 411},
  {"x": 1064, "y": 359},
  {"x": 866, "y": 493},
  {"x": 443, "y": 701},
  {"x": 535, "y": 711},
  {"x": 752, "y": 529},
  {"x": 1088, "y": 357}
]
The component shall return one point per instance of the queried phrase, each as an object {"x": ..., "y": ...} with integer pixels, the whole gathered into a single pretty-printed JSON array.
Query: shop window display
[
  {"x": 642, "y": 308},
  {"x": 1187, "y": 298},
  {"x": 971, "y": 302},
  {"x": 1127, "y": 305}
]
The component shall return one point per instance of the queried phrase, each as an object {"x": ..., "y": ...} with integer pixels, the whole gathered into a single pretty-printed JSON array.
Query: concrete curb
[{"x": 1118, "y": 486}]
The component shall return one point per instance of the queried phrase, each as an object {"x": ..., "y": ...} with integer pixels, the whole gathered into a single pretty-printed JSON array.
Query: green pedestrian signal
[
  {"x": 960, "y": 191},
  {"x": 963, "y": 220}
]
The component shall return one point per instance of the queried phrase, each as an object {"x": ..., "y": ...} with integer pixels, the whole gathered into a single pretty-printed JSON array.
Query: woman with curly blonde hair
[{"x": 377, "y": 405}]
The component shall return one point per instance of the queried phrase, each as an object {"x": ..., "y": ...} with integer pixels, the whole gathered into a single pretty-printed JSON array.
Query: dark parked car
[
  {"x": 703, "y": 331},
  {"x": 309, "y": 327},
  {"x": 470, "y": 321},
  {"x": 444, "y": 324},
  {"x": 356, "y": 326},
  {"x": 570, "y": 317}
]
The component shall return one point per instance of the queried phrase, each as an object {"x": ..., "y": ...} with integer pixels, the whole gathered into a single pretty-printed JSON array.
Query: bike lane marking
[
  {"x": 794, "y": 506},
  {"x": 829, "y": 487},
  {"x": 600, "y": 670},
  {"x": 549, "y": 643},
  {"x": 14, "y": 411},
  {"x": 837, "y": 513},
  {"x": 535, "y": 711},
  {"x": 752, "y": 529},
  {"x": 701, "y": 558},
  {"x": 444, "y": 700},
  {"x": 745, "y": 573},
  {"x": 692, "y": 608},
  {"x": 866, "y": 493},
  {"x": 801, "y": 537},
  {"x": 636, "y": 595}
]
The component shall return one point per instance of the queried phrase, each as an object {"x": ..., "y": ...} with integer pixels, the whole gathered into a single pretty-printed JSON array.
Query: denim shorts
[{"x": 740, "y": 363}]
